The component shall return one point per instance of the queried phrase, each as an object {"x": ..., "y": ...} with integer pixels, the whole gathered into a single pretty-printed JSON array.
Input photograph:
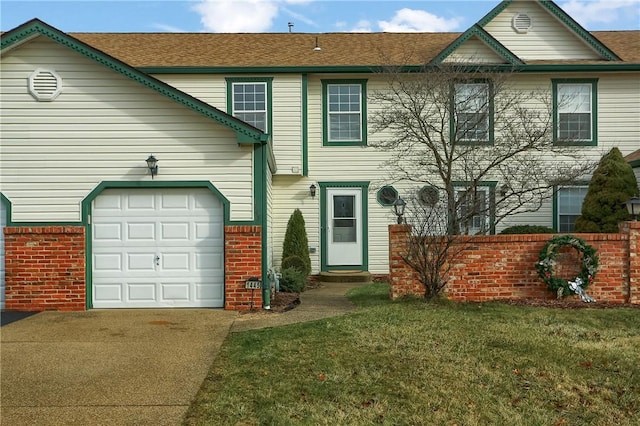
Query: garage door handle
[{"x": 157, "y": 260}]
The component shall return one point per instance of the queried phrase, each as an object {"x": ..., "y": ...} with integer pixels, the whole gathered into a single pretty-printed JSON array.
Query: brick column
[
  {"x": 243, "y": 260},
  {"x": 633, "y": 229},
  {"x": 45, "y": 268},
  {"x": 401, "y": 276}
]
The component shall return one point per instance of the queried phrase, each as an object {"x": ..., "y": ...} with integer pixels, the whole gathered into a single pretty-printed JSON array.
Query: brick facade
[
  {"x": 502, "y": 266},
  {"x": 45, "y": 268},
  {"x": 243, "y": 260}
]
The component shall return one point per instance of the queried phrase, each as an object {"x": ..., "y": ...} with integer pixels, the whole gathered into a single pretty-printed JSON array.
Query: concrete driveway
[{"x": 107, "y": 367}]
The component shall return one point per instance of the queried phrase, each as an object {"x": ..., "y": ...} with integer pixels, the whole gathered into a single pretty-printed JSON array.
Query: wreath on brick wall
[{"x": 547, "y": 262}]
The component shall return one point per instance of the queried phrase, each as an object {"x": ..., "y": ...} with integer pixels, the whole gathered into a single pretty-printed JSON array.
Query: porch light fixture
[
  {"x": 633, "y": 207},
  {"x": 152, "y": 164},
  {"x": 398, "y": 208},
  {"x": 312, "y": 190}
]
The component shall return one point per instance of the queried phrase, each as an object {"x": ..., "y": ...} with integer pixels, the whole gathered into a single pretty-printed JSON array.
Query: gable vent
[
  {"x": 521, "y": 22},
  {"x": 45, "y": 85}
]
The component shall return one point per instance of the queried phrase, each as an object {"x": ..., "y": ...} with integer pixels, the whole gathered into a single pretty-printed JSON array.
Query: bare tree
[
  {"x": 484, "y": 143},
  {"x": 430, "y": 250}
]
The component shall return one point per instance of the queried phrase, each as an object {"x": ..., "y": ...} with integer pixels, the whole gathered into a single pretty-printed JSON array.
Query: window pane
[
  {"x": 574, "y": 112},
  {"x": 250, "y": 105},
  {"x": 344, "y": 115},
  {"x": 569, "y": 206},
  {"x": 473, "y": 211},
  {"x": 472, "y": 111}
]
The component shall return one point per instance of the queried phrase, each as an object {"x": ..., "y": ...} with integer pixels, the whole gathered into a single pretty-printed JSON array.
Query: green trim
[
  {"x": 594, "y": 110},
  {"x": 565, "y": 19},
  {"x": 364, "y": 187},
  {"x": 492, "y": 43},
  {"x": 305, "y": 125},
  {"x": 376, "y": 69},
  {"x": 268, "y": 83},
  {"x": 363, "y": 113},
  {"x": 634, "y": 163},
  {"x": 261, "y": 168},
  {"x": 452, "y": 122},
  {"x": 491, "y": 184},
  {"x": 555, "y": 212},
  {"x": 36, "y": 27},
  {"x": 7, "y": 204}
]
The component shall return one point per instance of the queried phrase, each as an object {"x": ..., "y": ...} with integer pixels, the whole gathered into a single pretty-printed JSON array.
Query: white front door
[
  {"x": 3, "y": 222},
  {"x": 156, "y": 248},
  {"x": 344, "y": 227}
]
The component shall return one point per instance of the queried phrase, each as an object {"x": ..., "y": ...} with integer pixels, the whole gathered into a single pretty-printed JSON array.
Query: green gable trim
[
  {"x": 364, "y": 187},
  {"x": 555, "y": 10},
  {"x": 492, "y": 43},
  {"x": 36, "y": 27}
]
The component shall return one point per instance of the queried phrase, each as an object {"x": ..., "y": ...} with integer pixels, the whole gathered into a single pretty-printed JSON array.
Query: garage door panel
[
  {"x": 170, "y": 256},
  {"x": 175, "y": 231},
  {"x": 107, "y": 232},
  {"x": 141, "y": 231}
]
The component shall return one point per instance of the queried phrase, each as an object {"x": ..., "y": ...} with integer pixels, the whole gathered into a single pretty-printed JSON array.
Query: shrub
[
  {"x": 293, "y": 280},
  {"x": 294, "y": 261},
  {"x": 611, "y": 185},
  {"x": 528, "y": 229},
  {"x": 296, "y": 242}
]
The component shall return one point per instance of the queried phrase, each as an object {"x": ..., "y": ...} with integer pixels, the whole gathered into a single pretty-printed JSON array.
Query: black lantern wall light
[
  {"x": 152, "y": 164},
  {"x": 398, "y": 208}
]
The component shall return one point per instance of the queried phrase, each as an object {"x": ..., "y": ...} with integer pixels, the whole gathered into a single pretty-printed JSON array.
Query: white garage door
[
  {"x": 3, "y": 222},
  {"x": 155, "y": 248}
]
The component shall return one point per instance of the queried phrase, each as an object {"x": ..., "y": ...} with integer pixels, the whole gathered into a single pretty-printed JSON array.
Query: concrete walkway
[{"x": 122, "y": 367}]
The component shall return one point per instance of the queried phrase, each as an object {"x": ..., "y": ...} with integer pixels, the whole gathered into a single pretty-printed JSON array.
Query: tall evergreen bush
[
  {"x": 612, "y": 184},
  {"x": 295, "y": 250}
]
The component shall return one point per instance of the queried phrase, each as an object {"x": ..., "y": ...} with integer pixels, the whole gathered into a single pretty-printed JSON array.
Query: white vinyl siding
[
  {"x": 102, "y": 127},
  {"x": 476, "y": 51},
  {"x": 547, "y": 39}
]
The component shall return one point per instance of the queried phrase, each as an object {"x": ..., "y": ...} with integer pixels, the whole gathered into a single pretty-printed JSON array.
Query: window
[
  {"x": 344, "y": 117},
  {"x": 249, "y": 100},
  {"x": 574, "y": 111},
  {"x": 568, "y": 206},
  {"x": 473, "y": 110},
  {"x": 387, "y": 195},
  {"x": 476, "y": 210}
]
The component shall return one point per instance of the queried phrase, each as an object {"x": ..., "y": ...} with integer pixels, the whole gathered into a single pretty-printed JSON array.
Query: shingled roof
[{"x": 297, "y": 49}]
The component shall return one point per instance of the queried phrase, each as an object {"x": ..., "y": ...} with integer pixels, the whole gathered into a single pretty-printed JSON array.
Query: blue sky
[{"x": 306, "y": 15}]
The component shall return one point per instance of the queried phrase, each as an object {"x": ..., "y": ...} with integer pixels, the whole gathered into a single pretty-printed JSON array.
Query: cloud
[
  {"x": 233, "y": 16},
  {"x": 600, "y": 11},
  {"x": 168, "y": 28},
  {"x": 362, "y": 26},
  {"x": 410, "y": 20}
]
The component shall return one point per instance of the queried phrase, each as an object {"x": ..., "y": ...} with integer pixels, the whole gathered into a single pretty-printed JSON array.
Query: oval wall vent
[
  {"x": 521, "y": 22},
  {"x": 45, "y": 85}
]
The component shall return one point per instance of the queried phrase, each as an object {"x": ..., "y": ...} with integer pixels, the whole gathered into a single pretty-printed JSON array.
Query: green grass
[{"x": 441, "y": 363}]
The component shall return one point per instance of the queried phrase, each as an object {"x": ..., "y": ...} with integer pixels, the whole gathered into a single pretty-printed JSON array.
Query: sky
[{"x": 306, "y": 16}]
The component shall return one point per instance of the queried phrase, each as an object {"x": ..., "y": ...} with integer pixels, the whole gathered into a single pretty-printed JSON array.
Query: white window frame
[
  {"x": 243, "y": 114},
  {"x": 348, "y": 100},
  {"x": 574, "y": 99},
  {"x": 472, "y": 100}
]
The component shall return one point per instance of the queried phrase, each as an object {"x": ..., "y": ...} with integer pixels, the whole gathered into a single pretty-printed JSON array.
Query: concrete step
[{"x": 338, "y": 276}]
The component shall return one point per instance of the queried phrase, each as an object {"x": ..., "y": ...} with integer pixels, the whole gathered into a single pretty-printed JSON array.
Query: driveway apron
[{"x": 107, "y": 367}]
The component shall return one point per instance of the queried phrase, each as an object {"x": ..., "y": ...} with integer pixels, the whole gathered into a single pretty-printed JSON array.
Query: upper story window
[
  {"x": 473, "y": 112},
  {"x": 249, "y": 100},
  {"x": 574, "y": 111},
  {"x": 568, "y": 206},
  {"x": 344, "y": 112}
]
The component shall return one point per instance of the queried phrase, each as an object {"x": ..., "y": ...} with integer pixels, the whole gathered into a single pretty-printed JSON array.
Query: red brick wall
[
  {"x": 45, "y": 268},
  {"x": 243, "y": 260},
  {"x": 502, "y": 266}
]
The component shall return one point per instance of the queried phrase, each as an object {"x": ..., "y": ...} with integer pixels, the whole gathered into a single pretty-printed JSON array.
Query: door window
[{"x": 344, "y": 221}]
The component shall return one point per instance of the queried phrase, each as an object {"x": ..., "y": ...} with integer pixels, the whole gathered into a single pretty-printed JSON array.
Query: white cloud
[
  {"x": 168, "y": 28},
  {"x": 233, "y": 16},
  {"x": 600, "y": 11},
  {"x": 362, "y": 26},
  {"x": 410, "y": 20}
]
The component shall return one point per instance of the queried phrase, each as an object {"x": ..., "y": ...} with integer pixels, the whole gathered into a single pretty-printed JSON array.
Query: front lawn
[{"x": 442, "y": 363}]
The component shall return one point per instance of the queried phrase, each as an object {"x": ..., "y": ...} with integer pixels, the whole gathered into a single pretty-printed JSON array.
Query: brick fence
[
  {"x": 45, "y": 268},
  {"x": 243, "y": 260},
  {"x": 502, "y": 266}
]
